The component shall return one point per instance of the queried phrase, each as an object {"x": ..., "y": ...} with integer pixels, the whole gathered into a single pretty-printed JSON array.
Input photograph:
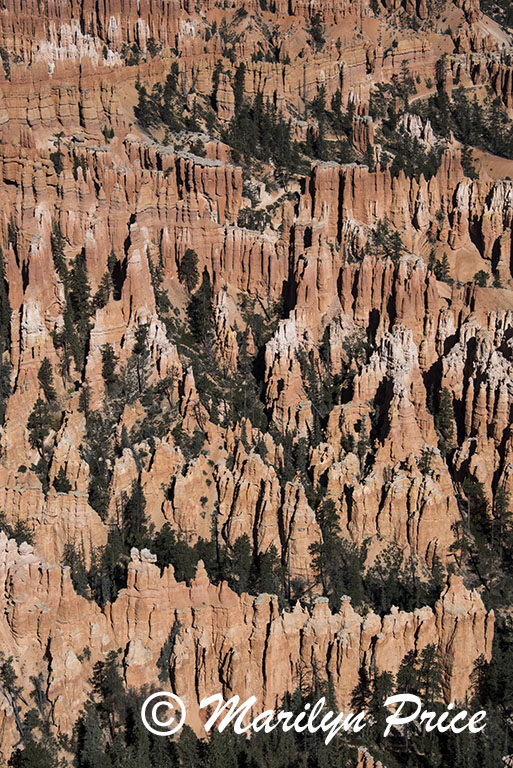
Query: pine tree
[
  {"x": 200, "y": 310},
  {"x": 75, "y": 335},
  {"x": 80, "y": 291},
  {"x": 109, "y": 362},
  {"x": 188, "y": 273},
  {"x": 430, "y": 675},
  {"x": 45, "y": 376},
  {"x": 5, "y": 340},
  {"x": 91, "y": 739},
  {"x": 74, "y": 557},
  {"x": 383, "y": 685},
  {"x": 502, "y": 534},
  {"x": 144, "y": 111},
  {"x": 140, "y": 355},
  {"x": 241, "y": 561},
  {"x": 238, "y": 87},
  {"x": 98, "y": 454},
  {"x": 11, "y": 689},
  {"x": 135, "y": 524},
  {"x": 61, "y": 482},
  {"x": 39, "y": 423},
  {"x": 107, "y": 686},
  {"x": 407, "y": 677},
  {"x": 102, "y": 295},
  {"x": 57, "y": 245},
  {"x": 444, "y": 421},
  {"x": 270, "y": 573},
  {"x": 481, "y": 278},
  {"x": 443, "y": 269}
]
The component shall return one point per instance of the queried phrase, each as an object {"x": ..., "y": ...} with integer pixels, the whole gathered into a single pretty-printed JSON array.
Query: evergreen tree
[
  {"x": 102, "y": 295},
  {"x": 430, "y": 675},
  {"x": 108, "y": 690},
  {"x": 271, "y": 573},
  {"x": 442, "y": 269},
  {"x": 45, "y": 376},
  {"x": 241, "y": 561},
  {"x": 39, "y": 424},
  {"x": 135, "y": 524},
  {"x": 109, "y": 362},
  {"x": 481, "y": 278},
  {"x": 98, "y": 454},
  {"x": 317, "y": 32},
  {"x": 90, "y": 739},
  {"x": 74, "y": 557},
  {"x": 188, "y": 273},
  {"x": 444, "y": 421},
  {"x": 61, "y": 482},
  {"x": 80, "y": 291},
  {"x": 11, "y": 689},
  {"x": 140, "y": 355},
  {"x": 200, "y": 310},
  {"x": 5, "y": 340},
  {"x": 238, "y": 87},
  {"x": 145, "y": 110},
  {"x": 75, "y": 335}
]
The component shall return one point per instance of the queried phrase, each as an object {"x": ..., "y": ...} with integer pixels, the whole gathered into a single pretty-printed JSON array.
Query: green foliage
[
  {"x": 425, "y": 461},
  {"x": 61, "y": 482},
  {"x": 411, "y": 156},
  {"x": 140, "y": 355},
  {"x": 481, "y": 278},
  {"x": 131, "y": 54},
  {"x": 385, "y": 241},
  {"x": 108, "y": 132},
  {"x": 338, "y": 564},
  {"x": 20, "y": 531},
  {"x": 153, "y": 47},
  {"x": 188, "y": 273},
  {"x": 258, "y": 132},
  {"x": 167, "y": 106},
  {"x": 323, "y": 389},
  {"x": 136, "y": 529},
  {"x": 109, "y": 362},
  {"x": 174, "y": 551},
  {"x": 73, "y": 340},
  {"x": 102, "y": 295},
  {"x": 145, "y": 109},
  {"x": 441, "y": 268},
  {"x": 501, "y": 11},
  {"x": 394, "y": 580},
  {"x": 485, "y": 125},
  {"x": 317, "y": 32},
  {"x": 80, "y": 162},
  {"x": 251, "y": 218},
  {"x": 167, "y": 650},
  {"x": 98, "y": 452},
  {"x": 39, "y": 425},
  {"x": 238, "y": 86},
  {"x": 445, "y": 422},
  {"x": 421, "y": 674},
  {"x": 45, "y": 377},
  {"x": 4, "y": 55},
  {"x": 200, "y": 310},
  {"x": 161, "y": 297},
  {"x": 5, "y": 341},
  {"x": 57, "y": 244},
  {"x": 74, "y": 558},
  {"x": 40, "y": 748},
  {"x": 56, "y": 158}
]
